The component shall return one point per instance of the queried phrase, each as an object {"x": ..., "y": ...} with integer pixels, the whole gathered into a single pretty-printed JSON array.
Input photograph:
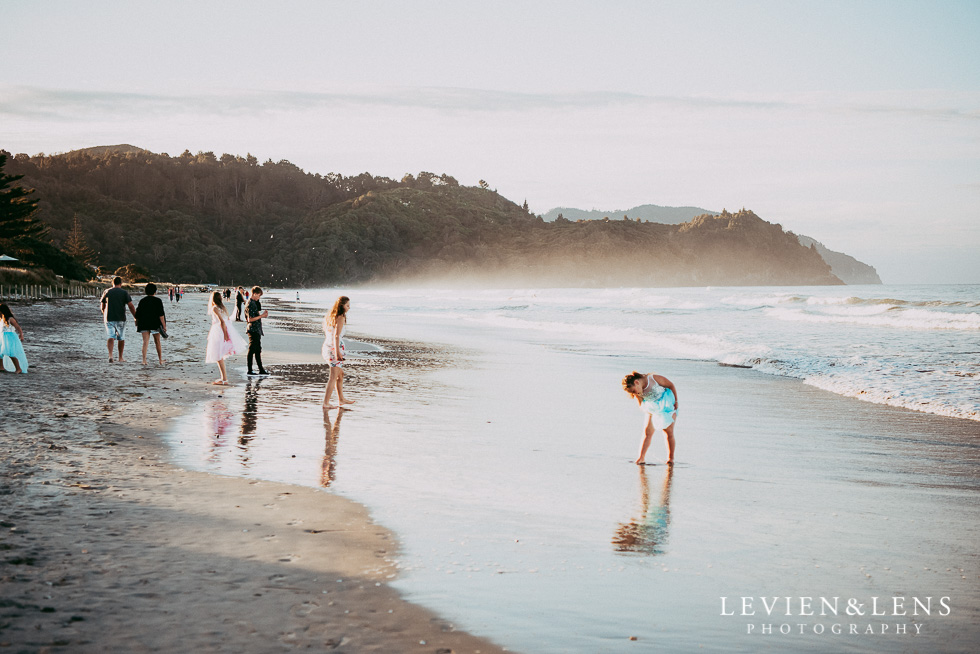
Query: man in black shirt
[{"x": 253, "y": 316}]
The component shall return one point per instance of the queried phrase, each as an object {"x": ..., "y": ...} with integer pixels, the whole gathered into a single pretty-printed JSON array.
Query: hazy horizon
[{"x": 857, "y": 124}]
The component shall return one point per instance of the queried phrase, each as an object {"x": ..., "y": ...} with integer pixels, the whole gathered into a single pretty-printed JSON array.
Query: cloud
[{"x": 67, "y": 104}]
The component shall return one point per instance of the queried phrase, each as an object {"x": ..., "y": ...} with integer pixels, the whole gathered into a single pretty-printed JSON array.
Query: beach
[
  {"x": 106, "y": 546},
  {"x": 492, "y": 478}
]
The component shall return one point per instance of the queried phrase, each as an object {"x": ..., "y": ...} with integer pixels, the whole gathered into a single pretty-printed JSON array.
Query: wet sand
[
  {"x": 504, "y": 466},
  {"x": 105, "y": 546},
  {"x": 505, "y": 471}
]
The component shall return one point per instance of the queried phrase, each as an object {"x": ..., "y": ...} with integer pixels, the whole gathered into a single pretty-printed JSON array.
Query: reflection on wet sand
[
  {"x": 328, "y": 468},
  {"x": 648, "y": 533},
  {"x": 250, "y": 414},
  {"x": 217, "y": 421}
]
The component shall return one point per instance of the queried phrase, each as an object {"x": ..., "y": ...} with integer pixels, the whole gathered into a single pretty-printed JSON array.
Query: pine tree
[
  {"x": 75, "y": 244},
  {"x": 17, "y": 208}
]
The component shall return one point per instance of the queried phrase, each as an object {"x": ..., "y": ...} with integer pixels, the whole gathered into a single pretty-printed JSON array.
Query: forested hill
[{"x": 229, "y": 219}]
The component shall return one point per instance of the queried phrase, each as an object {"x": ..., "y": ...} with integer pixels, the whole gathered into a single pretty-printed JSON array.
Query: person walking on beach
[
  {"x": 253, "y": 316},
  {"x": 333, "y": 351},
  {"x": 223, "y": 340},
  {"x": 11, "y": 337},
  {"x": 171, "y": 290},
  {"x": 657, "y": 398},
  {"x": 114, "y": 303},
  {"x": 151, "y": 319},
  {"x": 239, "y": 303}
]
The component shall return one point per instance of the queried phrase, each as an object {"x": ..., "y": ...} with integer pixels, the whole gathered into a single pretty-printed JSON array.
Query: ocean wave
[
  {"x": 938, "y": 391},
  {"x": 895, "y": 302},
  {"x": 904, "y": 319},
  {"x": 914, "y": 348},
  {"x": 864, "y": 389}
]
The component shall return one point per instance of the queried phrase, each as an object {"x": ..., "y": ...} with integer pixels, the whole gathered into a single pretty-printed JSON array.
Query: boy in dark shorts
[{"x": 253, "y": 317}]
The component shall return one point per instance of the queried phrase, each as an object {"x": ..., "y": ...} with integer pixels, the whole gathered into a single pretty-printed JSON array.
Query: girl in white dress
[
  {"x": 333, "y": 351},
  {"x": 657, "y": 398},
  {"x": 223, "y": 340},
  {"x": 10, "y": 340}
]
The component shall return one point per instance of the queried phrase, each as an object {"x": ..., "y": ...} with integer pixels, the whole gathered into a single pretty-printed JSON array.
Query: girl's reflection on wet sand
[
  {"x": 647, "y": 533},
  {"x": 328, "y": 469}
]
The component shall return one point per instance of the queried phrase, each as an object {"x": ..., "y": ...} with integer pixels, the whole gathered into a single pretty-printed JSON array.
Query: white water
[{"x": 916, "y": 347}]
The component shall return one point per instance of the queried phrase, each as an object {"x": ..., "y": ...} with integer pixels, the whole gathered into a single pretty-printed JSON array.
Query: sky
[{"x": 856, "y": 123}]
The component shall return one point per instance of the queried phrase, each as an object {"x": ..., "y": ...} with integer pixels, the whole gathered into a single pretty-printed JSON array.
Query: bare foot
[
  {"x": 330, "y": 406},
  {"x": 220, "y": 382},
  {"x": 163, "y": 362},
  {"x": 639, "y": 462},
  {"x": 110, "y": 359},
  {"x": 671, "y": 462},
  {"x": 347, "y": 401}
]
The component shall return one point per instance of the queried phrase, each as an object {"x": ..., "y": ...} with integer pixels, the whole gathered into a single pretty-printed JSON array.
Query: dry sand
[{"x": 105, "y": 546}]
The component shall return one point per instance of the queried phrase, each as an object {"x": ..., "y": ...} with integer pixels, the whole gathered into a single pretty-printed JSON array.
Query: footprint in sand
[{"x": 304, "y": 609}]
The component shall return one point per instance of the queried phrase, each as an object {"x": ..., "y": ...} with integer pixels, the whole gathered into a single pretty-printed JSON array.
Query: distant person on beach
[
  {"x": 223, "y": 340},
  {"x": 151, "y": 319},
  {"x": 657, "y": 398},
  {"x": 239, "y": 303},
  {"x": 11, "y": 337},
  {"x": 253, "y": 316},
  {"x": 333, "y": 351},
  {"x": 114, "y": 303},
  {"x": 177, "y": 294},
  {"x": 171, "y": 291}
]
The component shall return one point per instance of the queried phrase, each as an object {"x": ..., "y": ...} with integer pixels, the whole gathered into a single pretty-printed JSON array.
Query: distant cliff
[
  {"x": 849, "y": 269},
  {"x": 845, "y": 267},
  {"x": 231, "y": 219}
]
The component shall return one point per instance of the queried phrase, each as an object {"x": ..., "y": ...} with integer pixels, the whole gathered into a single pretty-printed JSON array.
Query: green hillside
[{"x": 229, "y": 219}]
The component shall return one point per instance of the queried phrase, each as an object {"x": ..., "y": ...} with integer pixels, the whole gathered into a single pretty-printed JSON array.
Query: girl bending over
[{"x": 657, "y": 398}]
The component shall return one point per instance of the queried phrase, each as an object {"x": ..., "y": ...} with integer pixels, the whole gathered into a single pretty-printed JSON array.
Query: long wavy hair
[
  {"x": 339, "y": 309},
  {"x": 216, "y": 302},
  {"x": 628, "y": 382},
  {"x": 5, "y": 314}
]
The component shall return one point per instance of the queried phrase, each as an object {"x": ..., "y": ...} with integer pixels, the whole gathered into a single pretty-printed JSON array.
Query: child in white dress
[
  {"x": 223, "y": 340},
  {"x": 657, "y": 398},
  {"x": 333, "y": 351}
]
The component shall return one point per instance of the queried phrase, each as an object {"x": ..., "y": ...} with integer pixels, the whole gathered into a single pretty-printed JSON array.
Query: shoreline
[
  {"x": 518, "y": 449},
  {"x": 106, "y": 545},
  {"x": 781, "y": 488}
]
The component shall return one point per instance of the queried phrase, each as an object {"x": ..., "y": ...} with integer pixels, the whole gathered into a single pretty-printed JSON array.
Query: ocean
[
  {"x": 498, "y": 446},
  {"x": 916, "y": 347}
]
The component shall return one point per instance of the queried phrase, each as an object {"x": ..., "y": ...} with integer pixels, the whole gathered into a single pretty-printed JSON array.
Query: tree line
[{"x": 230, "y": 219}]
